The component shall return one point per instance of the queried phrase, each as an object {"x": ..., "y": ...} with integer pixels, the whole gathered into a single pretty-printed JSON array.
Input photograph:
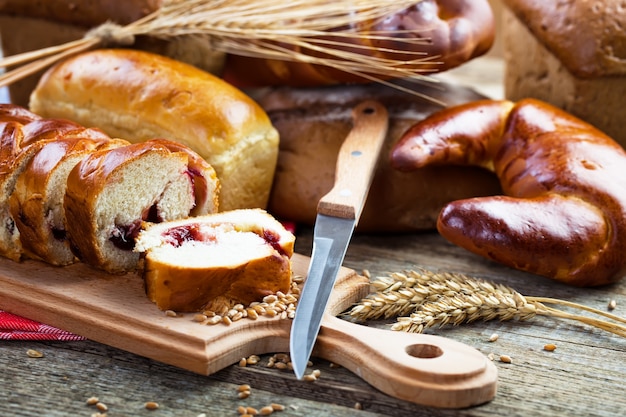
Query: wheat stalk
[
  {"x": 421, "y": 299},
  {"x": 310, "y": 31}
]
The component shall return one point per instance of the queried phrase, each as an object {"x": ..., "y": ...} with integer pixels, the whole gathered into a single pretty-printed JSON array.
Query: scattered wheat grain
[
  {"x": 32, "y": 353},
  {"x": 612, "y": 305},
  {"x": 92, "y": 401},
  {"x": 252, "y": 314},
  {"x": 272, "y": 298},
  {"x": 266, "y": 411},
  {"x": 252, "y": 411},
  {"x": 505, "y": 359},
  {"x": 277, "y": 407},
  {"x": 243, "y": 395},
  {"x": 151, "y": 405},
  {"x": 550, "y": 347},
  {"x": 101, "y": 406},
  {"x": 253, "y": 360},
  {"x": 493, "y": 337},
  {"x": 200, "y": 318},
  {"x": 170, "y": 313},
  {"x": 280, "y": 365},
  {"x": 243, "y": 387}
]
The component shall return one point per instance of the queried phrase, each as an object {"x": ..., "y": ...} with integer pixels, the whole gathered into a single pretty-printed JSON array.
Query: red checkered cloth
[{"x": 14, "y": 327}]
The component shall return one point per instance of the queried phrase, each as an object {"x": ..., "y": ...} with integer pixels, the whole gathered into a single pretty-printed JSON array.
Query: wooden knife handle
[{"x": 356, "y": 162}]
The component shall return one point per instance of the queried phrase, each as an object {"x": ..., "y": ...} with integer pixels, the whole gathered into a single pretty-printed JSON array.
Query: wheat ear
[
  {"x": 310, "y": 31},
  {"x": 420, "y": 299}
]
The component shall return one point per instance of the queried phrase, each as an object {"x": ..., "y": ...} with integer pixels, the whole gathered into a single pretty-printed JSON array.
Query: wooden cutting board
[{"x": 114, "y": 310}]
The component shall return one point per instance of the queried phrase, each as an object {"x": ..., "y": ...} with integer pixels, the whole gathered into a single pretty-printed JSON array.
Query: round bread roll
[
  {"x": 313, "y": 124},
  {"x": 139, "y": 96}
]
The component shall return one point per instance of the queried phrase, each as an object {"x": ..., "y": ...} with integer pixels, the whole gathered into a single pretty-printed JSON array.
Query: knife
[{"x": 338, "y": 213}]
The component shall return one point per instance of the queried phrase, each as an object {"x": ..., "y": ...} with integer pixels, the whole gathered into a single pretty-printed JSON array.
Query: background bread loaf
[
  {"x": 139, "y": 96},
  {"x": 572, "y": 57},
  {"x": 313, "y": 123}
]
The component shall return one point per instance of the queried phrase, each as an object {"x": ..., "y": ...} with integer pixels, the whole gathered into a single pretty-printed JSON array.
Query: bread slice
[
  {"x": 242, "y": 255},
  {"x": 12, "y": 163},
  {"x": 111, "y": 192},
  {"x": 36, "y": 203}
]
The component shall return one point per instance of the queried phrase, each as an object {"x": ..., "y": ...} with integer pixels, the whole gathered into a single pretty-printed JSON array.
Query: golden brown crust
[
  {"x": 587, "y": 36},
  {"x": 188, "y": 289},
  {"x": 141, "y": 96},
  {"x": 455, "y": 31},
  {"x": 563, "y": 214}
]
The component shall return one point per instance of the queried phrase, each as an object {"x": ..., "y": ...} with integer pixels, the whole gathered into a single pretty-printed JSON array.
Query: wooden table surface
[{"x": 584, "y": 376}]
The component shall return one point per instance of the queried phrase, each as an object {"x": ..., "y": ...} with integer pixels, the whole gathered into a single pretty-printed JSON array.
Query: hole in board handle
[{"x": 424, "y": 351}]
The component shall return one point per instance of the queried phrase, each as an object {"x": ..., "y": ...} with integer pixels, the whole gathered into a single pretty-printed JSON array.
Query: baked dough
[
  {"x": 239, "y": 255},
  {"x": 140, "y": 96}
]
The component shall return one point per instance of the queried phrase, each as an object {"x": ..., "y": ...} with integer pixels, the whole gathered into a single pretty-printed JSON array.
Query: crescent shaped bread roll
[
  {"x": 562, "y": 214},
  {"x": 241, "y": 255},
  {"x": 111, "y": 192},
  {"x": 139, "y": 96}
]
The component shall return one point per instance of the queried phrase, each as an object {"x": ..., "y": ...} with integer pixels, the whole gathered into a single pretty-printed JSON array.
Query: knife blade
[{"x": 338, "y": 213}]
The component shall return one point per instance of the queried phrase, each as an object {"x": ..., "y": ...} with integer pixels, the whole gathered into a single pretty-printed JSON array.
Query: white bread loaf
[
  {"x": 572, "y": 57},
  {"x": 242, "y": 255},
  {"x": 111, "y": 192},
  {"x": 36, "y": 203},
  {"x": 139, "y": 96}
]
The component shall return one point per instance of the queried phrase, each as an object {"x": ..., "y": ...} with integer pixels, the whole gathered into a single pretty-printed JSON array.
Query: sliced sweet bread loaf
[
  {"x": 36, "y": 203},
  {"x": 241, "y": 255},
  {"x": 111, "y": 192}
]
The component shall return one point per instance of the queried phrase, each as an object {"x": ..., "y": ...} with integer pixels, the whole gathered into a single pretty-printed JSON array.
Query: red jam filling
[
  {"x": 176, "y": 236},
  {"x": 123, "y": 237}
]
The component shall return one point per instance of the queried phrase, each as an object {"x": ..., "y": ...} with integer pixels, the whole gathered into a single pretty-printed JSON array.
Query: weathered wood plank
[{"x": 583, "y": 377}]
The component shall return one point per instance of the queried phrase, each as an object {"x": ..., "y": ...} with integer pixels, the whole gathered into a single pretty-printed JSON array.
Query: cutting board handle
[{"x": 420, "y": 368}]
